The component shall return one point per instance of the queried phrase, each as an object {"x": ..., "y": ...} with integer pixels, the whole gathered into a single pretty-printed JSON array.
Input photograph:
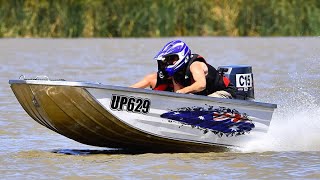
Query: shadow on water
[{"x": 82, "y": 152}]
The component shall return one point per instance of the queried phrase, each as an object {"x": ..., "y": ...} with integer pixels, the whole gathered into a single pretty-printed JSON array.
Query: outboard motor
[{"x": 242, "y": 78}]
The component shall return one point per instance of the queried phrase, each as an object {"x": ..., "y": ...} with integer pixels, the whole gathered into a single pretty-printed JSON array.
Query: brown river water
[{"x": 286, "y": 73}]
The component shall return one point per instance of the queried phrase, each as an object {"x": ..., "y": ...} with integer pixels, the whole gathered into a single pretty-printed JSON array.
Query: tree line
[{"x": 158, "y": 18}]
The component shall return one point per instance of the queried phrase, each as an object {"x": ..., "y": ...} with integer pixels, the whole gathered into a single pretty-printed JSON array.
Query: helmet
[{"x": 175, "y": 47}]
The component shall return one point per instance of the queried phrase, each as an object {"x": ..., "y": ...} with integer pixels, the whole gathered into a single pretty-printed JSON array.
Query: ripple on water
[{"x": 30, "y": 151}]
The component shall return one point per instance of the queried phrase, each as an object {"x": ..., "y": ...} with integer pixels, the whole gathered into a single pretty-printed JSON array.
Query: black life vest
[{"x": 214, "y": 80}]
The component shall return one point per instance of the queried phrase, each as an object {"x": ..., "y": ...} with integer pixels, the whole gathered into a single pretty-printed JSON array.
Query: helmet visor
[{"x": 170, "y": 60}]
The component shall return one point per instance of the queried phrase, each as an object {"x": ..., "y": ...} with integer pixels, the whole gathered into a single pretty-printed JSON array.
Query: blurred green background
[{"x": 158, "y": 18}]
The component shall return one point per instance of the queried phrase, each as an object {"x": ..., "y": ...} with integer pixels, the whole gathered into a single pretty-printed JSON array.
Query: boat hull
[{"x": 118, "y": 117}]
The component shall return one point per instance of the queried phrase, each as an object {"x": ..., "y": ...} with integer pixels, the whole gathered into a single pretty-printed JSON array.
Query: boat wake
[{"x": 295, "y": 126}]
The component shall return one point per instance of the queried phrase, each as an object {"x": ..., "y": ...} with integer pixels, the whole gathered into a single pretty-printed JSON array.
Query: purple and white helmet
[{"x": 175, "y": 47}]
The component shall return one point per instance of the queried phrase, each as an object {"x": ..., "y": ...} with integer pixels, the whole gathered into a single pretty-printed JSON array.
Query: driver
[{"x": 182, "y": 72}]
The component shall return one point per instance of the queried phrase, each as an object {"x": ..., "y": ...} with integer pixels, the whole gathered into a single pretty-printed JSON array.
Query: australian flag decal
[{"x": 221, "y": 121}]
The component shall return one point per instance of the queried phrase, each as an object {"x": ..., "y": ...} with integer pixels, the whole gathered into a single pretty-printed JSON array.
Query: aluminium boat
[{"x": 128, "y": 118}]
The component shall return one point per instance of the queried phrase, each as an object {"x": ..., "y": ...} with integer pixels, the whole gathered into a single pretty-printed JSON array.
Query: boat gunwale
[{"x": 144, "y": 91}]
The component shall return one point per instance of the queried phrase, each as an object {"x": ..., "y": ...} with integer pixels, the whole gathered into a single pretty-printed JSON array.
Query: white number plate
[{"x": 244, "y": 80}]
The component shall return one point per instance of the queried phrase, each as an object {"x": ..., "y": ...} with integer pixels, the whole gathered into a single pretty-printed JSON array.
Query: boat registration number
[
  {"x": 244, "y": 80},
  {"x": 130, "y": 104}
]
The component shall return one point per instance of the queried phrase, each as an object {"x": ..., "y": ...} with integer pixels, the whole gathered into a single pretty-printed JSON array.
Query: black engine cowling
[{"x": 242, "y": 78}]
